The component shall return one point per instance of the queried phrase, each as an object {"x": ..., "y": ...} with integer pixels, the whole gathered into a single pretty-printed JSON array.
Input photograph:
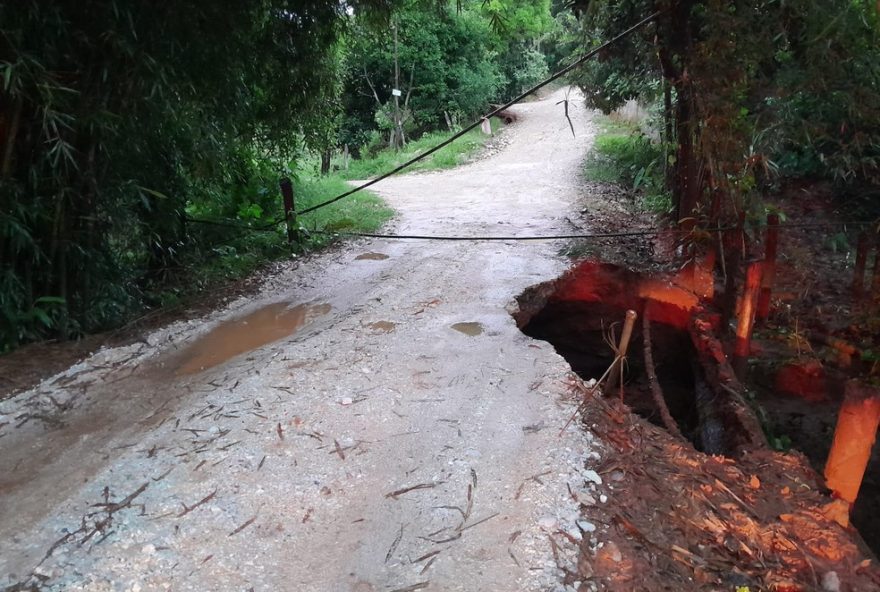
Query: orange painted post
[
  {"x": 746, "y": 321},
  {"x": 771, "y": 246},
  {"x": 858, "y": 285},
  {"x": 854, "y": 437}
]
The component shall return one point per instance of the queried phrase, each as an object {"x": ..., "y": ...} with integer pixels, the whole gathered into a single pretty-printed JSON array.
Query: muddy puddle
[
  {"x": 240, "y": 335},
  {"x": 371, "y": 257},
  {"x": 470, "y": 329},
  {"x": 382, "y": 326}
]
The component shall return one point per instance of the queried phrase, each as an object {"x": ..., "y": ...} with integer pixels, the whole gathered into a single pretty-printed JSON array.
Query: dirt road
[{"x": 400, "y": 433}]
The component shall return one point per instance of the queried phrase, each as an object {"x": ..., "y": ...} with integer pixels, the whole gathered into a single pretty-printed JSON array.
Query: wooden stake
[
  {"x": 771, "y": 245},
  {"x": 746, "y": 321},
  {"x": 854, "y": 437},
  {"x": 616, "y": 373},
  {"x": 858, "y": 285}
]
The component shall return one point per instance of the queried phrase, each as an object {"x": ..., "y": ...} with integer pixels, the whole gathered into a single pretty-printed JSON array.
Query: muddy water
[
  {"x": 469, "y": 329},
  {"x": 247, "y": 333},
  {"x": 371, "y": 257},
  {"x": 383, "y": 326}
]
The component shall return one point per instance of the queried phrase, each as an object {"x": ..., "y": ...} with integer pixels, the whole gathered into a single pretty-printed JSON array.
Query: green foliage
[
  {"x": 124, "y": 121},
  {"x": 119, "y": 117},
  {"x": 224, "y": 253},
  {"x": 362, "y": 212},
  {"x": 827, "y": 112},
  {"x": 453, "y": 63},
  {"x": 624, "y": 155},
  {"x": 447, "y": 157},
  {"x": 526, "y": 66},
  {"x": 754, "y": 90},
  {"x": 446, "y": 65}
]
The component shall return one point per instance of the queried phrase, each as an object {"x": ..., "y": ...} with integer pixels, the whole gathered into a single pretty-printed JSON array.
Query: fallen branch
[
  {"x": 656, "y": 391},
  {"x": 399, "y": 492},
  {"x": 242, "y": 527},
  {"x": 187, "y": 509}
]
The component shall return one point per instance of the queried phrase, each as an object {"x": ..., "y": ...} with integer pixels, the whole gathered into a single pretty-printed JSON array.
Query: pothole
[
  {"x": 579, "y": 331},
  {"x": 575, "y": 314},
  {"x": 243, "y": 334}
]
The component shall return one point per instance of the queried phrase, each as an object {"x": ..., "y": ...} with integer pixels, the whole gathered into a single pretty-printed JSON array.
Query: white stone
[
  {"x": 591, "y": 475},
  {"x": 148, "y": 549},
  {"x": 831, "y": 582},
  {"x": 547, "y": 522},
  {"x": 603, "y": 498},
  {"x": 346, "y": 401},
  {"x": 586, "y": 526},
  {"x": 586, "y": 499}
]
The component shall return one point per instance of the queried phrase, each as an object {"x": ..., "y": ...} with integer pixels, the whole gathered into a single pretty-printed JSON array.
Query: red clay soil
[{"x": 682, "y": 520}]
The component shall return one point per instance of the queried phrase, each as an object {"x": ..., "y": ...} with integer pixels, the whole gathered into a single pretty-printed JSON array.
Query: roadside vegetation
[
  {"x": 142, "y": 148},
  {"x": 745, "y": 98},
  {"x": 623, "y": 154}
]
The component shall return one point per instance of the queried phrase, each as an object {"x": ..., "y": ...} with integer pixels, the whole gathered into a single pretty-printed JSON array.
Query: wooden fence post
[
  {"x": 290, "y": 212},
  {"x": 734, "y": 258}
]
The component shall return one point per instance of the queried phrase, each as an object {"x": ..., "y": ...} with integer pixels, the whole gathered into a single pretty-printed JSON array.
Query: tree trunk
[
  {"x": 669, "y": 132},
  {"x": 687, "y": 166},
  {"x": 325, "y": 161},
  {"x": 397, "y": 140}
]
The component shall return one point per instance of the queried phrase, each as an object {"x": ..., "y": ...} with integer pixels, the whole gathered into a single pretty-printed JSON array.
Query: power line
[{"x": 600, "y": 235}]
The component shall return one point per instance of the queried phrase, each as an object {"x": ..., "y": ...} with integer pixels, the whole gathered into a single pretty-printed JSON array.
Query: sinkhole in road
[
  {"x": 579, "y": 332},
  {"x": 580, "y": 314},
  {"x": 576, "y": 313},
  {"x": 242, "y": 334}
]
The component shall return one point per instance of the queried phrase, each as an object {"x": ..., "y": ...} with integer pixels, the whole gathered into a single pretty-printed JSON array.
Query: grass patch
[
  {"x": 361, "y": 212},
  {"x": 453, "y": 155},
  {"x": 624, "y": 155},
  {"x": 229, "y": 253}
]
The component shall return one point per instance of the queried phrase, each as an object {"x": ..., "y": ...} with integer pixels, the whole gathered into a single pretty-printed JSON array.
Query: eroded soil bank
[{"x": 680, "y": 518}]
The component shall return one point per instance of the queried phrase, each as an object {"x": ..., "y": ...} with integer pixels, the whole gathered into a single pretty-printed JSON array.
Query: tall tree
[{"x": 116, "y": 115}]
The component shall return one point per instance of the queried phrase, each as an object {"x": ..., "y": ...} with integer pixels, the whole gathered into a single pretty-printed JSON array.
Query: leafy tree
[
  {"x": 746, "y": 86},
  {"x": 119, "y": 116},
  {"x": 446, "y": 69}
]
